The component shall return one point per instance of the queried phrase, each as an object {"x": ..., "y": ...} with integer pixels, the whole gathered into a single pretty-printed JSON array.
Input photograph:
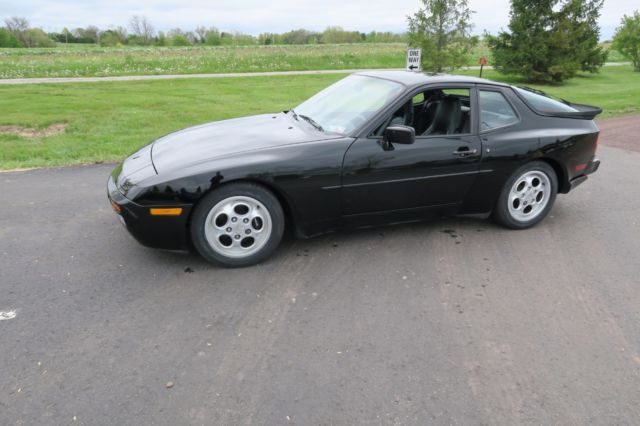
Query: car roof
[{"x": 411, "y": 79}]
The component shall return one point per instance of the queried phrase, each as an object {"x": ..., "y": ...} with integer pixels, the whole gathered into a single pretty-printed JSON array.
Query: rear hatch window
[{"x": 543, "y": 103}]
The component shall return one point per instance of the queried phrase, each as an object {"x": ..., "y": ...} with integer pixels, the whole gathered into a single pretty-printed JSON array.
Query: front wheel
[
  {"x": 527, "y": 196},
  {"x": 237, "y": 225}
]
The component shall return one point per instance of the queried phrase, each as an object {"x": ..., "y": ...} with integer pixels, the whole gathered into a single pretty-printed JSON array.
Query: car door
[{"x": 436, "y": 170}]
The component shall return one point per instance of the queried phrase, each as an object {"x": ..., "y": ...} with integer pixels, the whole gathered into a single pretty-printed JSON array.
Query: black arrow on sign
[{"x": 412, "y": 67}]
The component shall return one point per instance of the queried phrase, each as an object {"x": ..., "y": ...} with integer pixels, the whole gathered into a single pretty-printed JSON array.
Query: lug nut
[
  {"x": 245, "y": 220},
  {"x": 234, "y": 219},
  {"x": 228, "y": 229},
  {"x": 237, "y": 236},
  {"x": 248, "y": 231}
]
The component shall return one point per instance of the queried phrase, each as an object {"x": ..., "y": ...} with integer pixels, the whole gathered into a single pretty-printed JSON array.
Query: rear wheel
[
  {"x": 237, "y": 225},
  {"x": 527, "y": 196}
]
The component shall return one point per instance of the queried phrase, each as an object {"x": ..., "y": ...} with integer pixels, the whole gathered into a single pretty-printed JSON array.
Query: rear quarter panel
[
  {"x": 562, "y": 142},
  {"x": 571, "y": 142}
]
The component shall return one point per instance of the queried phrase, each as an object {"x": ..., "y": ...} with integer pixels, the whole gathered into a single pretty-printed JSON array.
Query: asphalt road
[{"x": 453, "y": 322}]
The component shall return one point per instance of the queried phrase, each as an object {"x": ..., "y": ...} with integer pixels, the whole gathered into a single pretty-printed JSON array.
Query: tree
[
  {"x": 549, "y": 40},
  {"x": 442, "y": 29},
  {"x": 142, "y": 29},
  {"x": 212, "y": 37},
  {"x": 267, "y": 39},
  {"x": 385, "y": 37},
  {"x": 7, "y": 39},
  {"x": 35, "y": 37},
  {"x": 66, "y": 33},
  {"x": 581, "y": 18},
  {"x": 300, "y": 36},
  {"x": 27, "y": 37},
  {"x": 177, "y": 37},
  {"x": 18, "y": 26},
  {"x": 88, "y": 35},
  {"x": 627, "y": 39},
  {"x": 162, "y": 39},
  {"x": 201, "y": 33},
  {"x": 333, "y": 35},
  {"x": 114, "y": 37}
]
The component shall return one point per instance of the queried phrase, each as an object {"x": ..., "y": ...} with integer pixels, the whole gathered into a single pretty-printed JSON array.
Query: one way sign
[{"x": 413, "y": 59}]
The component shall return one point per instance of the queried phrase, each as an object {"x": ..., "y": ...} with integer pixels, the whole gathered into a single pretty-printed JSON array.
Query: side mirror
[{"x": 400, "y": 134}]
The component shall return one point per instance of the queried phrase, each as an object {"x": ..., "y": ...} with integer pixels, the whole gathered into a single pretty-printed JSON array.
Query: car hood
[{"x": 229, "y": 137}]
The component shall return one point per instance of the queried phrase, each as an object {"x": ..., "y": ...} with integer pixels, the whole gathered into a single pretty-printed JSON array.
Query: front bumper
[{"x": 164, "y": 232}]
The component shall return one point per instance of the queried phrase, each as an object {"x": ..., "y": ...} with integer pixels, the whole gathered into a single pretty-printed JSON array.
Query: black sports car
[{"x": 374, "y": 148}]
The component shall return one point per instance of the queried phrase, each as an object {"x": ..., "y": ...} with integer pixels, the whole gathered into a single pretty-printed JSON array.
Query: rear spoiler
[{"x": 585, "y": 112}]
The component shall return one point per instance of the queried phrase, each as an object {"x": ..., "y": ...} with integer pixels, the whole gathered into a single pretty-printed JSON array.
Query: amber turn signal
[
  {"x": 116, "y": 208},
  {"x": 177, "y": 211}
]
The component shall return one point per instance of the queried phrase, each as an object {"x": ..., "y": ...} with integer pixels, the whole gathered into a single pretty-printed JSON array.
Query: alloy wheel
[
  {"x": 529, "y": 196},
  {"x": 238, "y": 226}
]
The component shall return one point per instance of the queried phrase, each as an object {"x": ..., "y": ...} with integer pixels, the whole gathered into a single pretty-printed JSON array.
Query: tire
[
  {"x": 527, "y": 196},
  {"x": 239, "y": 224}
]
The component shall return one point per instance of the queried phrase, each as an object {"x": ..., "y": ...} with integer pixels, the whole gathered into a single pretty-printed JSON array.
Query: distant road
[{"x": 55, "y": 80}]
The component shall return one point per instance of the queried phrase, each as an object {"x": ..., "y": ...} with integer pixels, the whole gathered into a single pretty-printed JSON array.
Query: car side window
[
  {"x": 445, "y": 111},
  {"x": 495, "y": 111},
  {"x": 434, "y": 112}
]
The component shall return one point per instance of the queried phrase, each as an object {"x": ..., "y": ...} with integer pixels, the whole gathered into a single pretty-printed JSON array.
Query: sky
[{"x": 256, "y": 16}]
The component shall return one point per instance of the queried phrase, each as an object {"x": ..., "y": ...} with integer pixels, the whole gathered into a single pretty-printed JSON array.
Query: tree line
[
  {"x": 546, "y": 41},
  {"x": 141, "y": 32}
]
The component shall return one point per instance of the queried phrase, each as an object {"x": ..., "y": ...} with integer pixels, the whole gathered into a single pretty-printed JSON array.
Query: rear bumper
[
  {"x": 592, "y": 167},
  {"x": 163, "y": 232}
]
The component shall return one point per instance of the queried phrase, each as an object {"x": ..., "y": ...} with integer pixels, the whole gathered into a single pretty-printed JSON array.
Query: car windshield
[
  {"x": 347, "y": 104},
  {"x": 543, "y": 103}
]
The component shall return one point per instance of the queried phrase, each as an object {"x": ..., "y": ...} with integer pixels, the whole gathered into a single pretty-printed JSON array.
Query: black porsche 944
[{"x": 372, "y": 149}]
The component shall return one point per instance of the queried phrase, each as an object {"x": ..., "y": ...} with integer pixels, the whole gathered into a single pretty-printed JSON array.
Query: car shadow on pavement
[{"x": 356, "y": 240}]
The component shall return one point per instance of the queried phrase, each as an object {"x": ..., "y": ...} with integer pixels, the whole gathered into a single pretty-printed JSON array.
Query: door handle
[{"x": 465, "y": 152}]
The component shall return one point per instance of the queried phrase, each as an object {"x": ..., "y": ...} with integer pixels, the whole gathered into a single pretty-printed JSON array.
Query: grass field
[
  {"x": 99, "y": 61},
  {"x": 106, "y": 121},
  {"x": 89, "y": 61}
]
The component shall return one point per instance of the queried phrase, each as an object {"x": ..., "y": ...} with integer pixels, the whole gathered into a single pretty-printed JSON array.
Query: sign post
[
  {"x": 414, "y": 57},
  {"x": 482, "y": 61}
]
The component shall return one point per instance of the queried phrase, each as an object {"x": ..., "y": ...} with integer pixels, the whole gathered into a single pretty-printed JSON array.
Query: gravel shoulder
[{"x": 621, "y": 132}]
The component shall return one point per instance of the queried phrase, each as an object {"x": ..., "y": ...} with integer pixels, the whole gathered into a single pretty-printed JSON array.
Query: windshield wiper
[
  {"x": 294, "y": 113},
  {"x": 311, "y": 121}
]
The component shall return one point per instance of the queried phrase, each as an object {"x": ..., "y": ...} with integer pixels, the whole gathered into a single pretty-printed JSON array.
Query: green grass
[
  {"x": 108, "y": 120},
  {"x": 106, "y": 61},
  {"x": 87, "y": 60}
]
